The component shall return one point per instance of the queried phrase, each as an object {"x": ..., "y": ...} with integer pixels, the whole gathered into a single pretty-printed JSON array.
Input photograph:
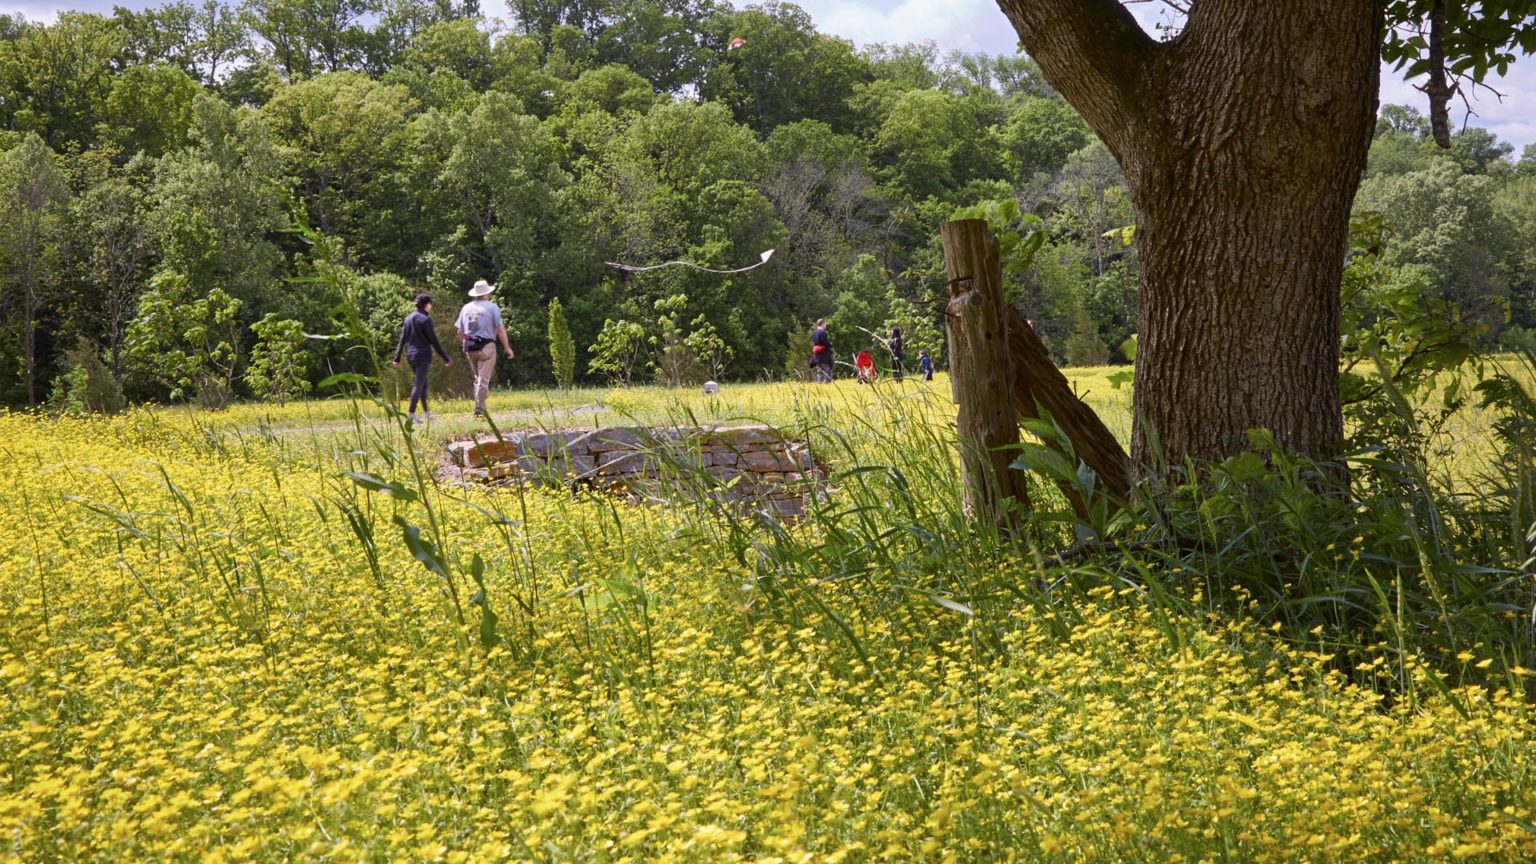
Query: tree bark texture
[
  {"x": 980, "y": 372},
  {"x": 1242, "y": 140}
]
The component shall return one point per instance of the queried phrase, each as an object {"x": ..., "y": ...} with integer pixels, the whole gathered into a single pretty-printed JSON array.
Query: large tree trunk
[{"x": 1242, "y": 140}]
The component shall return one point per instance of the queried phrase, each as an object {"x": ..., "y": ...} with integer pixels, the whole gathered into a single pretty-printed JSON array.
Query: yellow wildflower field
[{"x": 216, "y": 646}]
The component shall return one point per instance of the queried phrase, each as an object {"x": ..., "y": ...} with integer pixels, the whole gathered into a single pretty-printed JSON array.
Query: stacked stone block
[{"x": 747, "y": 465}]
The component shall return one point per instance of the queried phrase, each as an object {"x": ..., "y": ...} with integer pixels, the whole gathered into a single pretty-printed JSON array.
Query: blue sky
[{"x": 977, "y": 25}]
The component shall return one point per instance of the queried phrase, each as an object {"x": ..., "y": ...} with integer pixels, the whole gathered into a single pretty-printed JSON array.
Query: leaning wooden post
[
  {"x": 1038, "y": 384},
  {"x": 980, "y": 373}
]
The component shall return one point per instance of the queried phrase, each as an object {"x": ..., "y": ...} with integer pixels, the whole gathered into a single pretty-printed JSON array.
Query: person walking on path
[
  {"x": 418, "y": 339},
  {"x": 898, "y": 349},
  {"x": 821, "y": 351},
  {"x": 925, "y": 364},
  {"x": 480, "y": 328}
]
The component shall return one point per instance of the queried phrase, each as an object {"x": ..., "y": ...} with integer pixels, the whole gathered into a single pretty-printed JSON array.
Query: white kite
[{"x": 631, "y": 268}]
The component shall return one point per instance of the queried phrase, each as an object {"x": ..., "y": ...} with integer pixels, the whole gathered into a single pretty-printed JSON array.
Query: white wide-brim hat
[{"x": 481, "y": 289}]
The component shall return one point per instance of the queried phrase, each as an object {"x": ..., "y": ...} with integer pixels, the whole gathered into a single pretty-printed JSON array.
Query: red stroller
[{"x": 865, "y": 365}]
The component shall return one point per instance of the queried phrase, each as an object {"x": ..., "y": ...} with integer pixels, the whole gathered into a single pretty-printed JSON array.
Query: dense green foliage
[
  {"x": 1458, "y": 223},
  {"x": 276, "y": 370},
  {"x": 184, "y": 145},
  {"x": 186, "y": 142}
]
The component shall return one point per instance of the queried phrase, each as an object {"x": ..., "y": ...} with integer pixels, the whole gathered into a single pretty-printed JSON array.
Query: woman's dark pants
[{"x": 421, "y": 365}]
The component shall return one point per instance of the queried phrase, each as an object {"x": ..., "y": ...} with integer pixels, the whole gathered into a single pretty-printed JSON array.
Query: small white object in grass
[{"x": 711, "y": 388}]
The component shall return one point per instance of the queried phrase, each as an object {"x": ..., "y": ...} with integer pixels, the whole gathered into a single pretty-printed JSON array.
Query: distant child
[
  {"x": 925, "y": 363},
  {"x": 898, "y": 347}
]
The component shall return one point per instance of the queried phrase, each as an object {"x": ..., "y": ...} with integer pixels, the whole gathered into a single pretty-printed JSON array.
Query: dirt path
[{"x": 448, "y": 425}]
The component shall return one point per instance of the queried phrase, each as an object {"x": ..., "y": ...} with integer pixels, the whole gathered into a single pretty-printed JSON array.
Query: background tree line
[{"x": 164, "y": 176}]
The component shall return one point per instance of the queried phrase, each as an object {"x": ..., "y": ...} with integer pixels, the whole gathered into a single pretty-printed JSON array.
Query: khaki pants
[{"x": 482, "y": 365}]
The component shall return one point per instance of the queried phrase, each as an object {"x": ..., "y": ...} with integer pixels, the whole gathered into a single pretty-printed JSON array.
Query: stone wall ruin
[{"x": 756, "y": 467}]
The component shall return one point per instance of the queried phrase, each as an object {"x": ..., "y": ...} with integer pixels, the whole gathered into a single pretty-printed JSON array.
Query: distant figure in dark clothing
[
  {"x": 418, "y": 339},
  {"x": 898, "y": 348},
  {"x": 925, "y": 364},
  {"x": 821, "y": 351}
]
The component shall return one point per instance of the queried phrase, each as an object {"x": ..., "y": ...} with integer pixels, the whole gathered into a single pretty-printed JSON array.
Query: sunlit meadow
[{"x": 216, "y": 645}]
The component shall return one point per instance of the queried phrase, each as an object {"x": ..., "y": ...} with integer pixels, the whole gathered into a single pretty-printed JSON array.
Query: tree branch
[
  {"x": 1093, "y": 52},
  {"x": 1175, "y": 14},
  {"x": 1438, "y": 90}
]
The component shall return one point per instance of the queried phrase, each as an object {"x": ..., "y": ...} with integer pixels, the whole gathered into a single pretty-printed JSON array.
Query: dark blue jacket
[{"x": 417, "y": 335}]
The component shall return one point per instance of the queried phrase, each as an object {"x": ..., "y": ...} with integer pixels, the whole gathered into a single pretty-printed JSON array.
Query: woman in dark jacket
[{"x": 418, "y": 339}]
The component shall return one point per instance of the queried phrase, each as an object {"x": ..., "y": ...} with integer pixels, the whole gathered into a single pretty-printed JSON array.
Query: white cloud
[
  {"x": 964, "y": 25},
  {"x": 967, "y": 25},
  {"x": 496, "y": 9},
  {"x": 43, "y": 14}
]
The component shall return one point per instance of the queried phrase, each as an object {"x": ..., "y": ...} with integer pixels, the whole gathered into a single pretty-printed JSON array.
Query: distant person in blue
[
  {"x": 418, "y": 339},
  {"x": 925, "y": 364}
]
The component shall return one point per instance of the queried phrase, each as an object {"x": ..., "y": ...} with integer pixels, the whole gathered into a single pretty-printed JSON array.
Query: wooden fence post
[{"x": 980, "y": 372}]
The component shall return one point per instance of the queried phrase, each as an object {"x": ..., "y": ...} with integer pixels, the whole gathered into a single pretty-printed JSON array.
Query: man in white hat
[{"x": 480, "y": 328}]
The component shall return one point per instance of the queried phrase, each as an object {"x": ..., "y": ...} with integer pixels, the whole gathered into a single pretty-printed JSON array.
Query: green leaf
[
  {"x": 353, "y": 378},
  {"x": 1041, "y": 427},
  {"x": 952, "y": 605},
  {"x": 1087, "y": 480},
  {"x": 421, "y": 548},
  {"x": 488, "y": 619},
  {"x": 375, "y": 483},
  {"x": 589, "y": 599},
  {"x": 493, "y": 517},
  {"x": 620, "y": 589},
  {"x": 1125, "y": 234},
  {"x": 1026, "y": 253},
  {"x": 1044, "y": 460},
  {"x": 1246, "y": 466}
]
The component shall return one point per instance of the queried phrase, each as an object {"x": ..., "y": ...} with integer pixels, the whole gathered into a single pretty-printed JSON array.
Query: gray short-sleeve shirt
[{"x": 479, "y": 320}]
